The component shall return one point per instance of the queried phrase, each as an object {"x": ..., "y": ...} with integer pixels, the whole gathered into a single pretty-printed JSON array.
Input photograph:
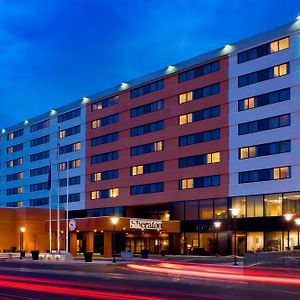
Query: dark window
[
  {"x": 146, "y": 89},
  {"x": 39, "y": 126},
  {"x": 99, "y": 158},
  {"x": 39, "y": 171},
  {"x": 39, "y": 156},
  {"x": 104, "y": 103},
  {"x": 39, "y": 141},
  {"x": 147, "y": 148},
  {"x": 39, "y": 201},
  {"x": 147, "y": 128},
  {"x": 147, "y": 108},
  {"x": 105, "y": 139},
  {"x": 147, "y": 188},
  {"x": 72, "y": 198},
  {"x": 69, "y": 115},
  {"x": 199, "y": 137}
]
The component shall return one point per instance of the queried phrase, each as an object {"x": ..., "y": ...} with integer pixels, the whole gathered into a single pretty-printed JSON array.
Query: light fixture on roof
[
  {"x": 171, "y": 68},
  {"x": 124, "y": 85},
  {"x": 52, "y": 112},
  {"x": 298, "y": 18},
  {"x": 85, "y": 100},
  {"x": 26, "y": 122},
  {"x": 3, "y": 130}
]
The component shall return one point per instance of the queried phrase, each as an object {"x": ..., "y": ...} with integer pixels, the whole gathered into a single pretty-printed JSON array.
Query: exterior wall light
[
  {"x": 85, "y": 100},
  {"x": 52, "y": 112}
]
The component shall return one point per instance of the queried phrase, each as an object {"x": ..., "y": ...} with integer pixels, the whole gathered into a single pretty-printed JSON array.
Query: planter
[
  {"x": 144, "y": 253},
  {"x": 35, "y": 254},
  {"x": 88, "y": 256}
]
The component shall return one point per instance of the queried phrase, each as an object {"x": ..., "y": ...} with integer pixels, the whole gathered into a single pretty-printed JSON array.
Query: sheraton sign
[{"x": 145, "y": 224}]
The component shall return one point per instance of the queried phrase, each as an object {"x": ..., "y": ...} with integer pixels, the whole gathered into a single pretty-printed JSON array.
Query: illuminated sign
[
  {"x": 145, "y": 224},
  {"x": 72, "y": 225}
]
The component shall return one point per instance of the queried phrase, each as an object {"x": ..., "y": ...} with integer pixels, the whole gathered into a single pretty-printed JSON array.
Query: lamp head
[{"x": 115, "y": 220}]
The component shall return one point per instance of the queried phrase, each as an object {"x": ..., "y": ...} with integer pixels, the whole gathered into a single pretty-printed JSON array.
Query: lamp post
[
  {"x": 217, "y": 225},
  {"x": 114, "y": 221},
  {"x": 234, "y": 214},
  {"x": 297, "y": 221},
  {"x": 288, "y": 218},
  {"x": 22, "y": 230}
]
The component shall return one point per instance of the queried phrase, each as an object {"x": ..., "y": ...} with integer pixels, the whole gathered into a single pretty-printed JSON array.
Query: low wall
[{"x": 276, "y": 257}]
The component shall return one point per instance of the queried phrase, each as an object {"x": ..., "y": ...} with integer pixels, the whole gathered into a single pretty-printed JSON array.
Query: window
[
  {"x": 200, "y": 93},
  {"x": 39, "y": 186},
  {"x": 199, "y": 137},
  {"x": 105, "y": 139},
  {"x": 150, "y": 188},
  {"x": 263, "y": 50},
  {"x": 14, "y": 204},
  {"x": 199, "y": 115},
  {"x": 147, "y": 128},
  {"x": 39, "y": 171},
  {"x": 39, "y": 201},
  {"x": 70, "y": 131},
  {"x": 148, "y": 88},
  {"x": 104, "y": 103},
  {"x": 264, "y": 99},
  {"x": 15, "y": 134},
  {"x": 15, "y": 191},
  {"x": 108, "y": 156},
  {"x": 39, "y": 141},
  {"x": 104, "y": 175},
  {"x": 254, "y": 206},
  {"x": 199, "y": 182},
  {"x": 72, "y": 165},
  {"x": 108, "y": 193},
  {"x": 240, "y": 203},
  {"x": 15, "y": 148},
  {"x": 72, "y": 198},
  {"x": 199, "y": 71},
  {"x": 15, "y": 176},
  {"x": 147, "y": 168},
  {"x": 197, "y": 160},
  {"x": 69, "y": 148},
  {"x": 265, "y": 149},
  {"x": 273, "y": 205},
  {"x": 265, "y": 174},
  {"x": 147, "y": 148},
  {"x": 261, "y": 75},
  {"x": 105, "y": 121},
  {"x": 264, "y": 124},
  {"x": 39, "y": 126},
  {"x": 75, "y": 180},
  {"x": 147, "y": 108},
  {"x": 14, "y": 162},
  {"x": 69, "y": 115},
  {"x": 39, "y": 156}
]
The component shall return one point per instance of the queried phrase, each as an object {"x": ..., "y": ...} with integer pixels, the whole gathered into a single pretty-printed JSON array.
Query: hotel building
[{"x": 188, "y": 143}]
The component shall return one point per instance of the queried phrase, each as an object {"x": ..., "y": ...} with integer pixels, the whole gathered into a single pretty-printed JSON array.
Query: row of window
[
  {"x": 72, "y": 198},
  {"x": 75, "y": 163},
  {"x": 199, "y": 115},
  {"x": 69, "y": 148},
  {"x": 72, "y": 181},
  {"x": 264, "y": 50},
  {"x": 199, "y": 93},
  {"x": 103, "y": 157},
  {"x": 199, "y": 137},
  {"x": 40, "y": 125},
  {"x": 15, "y": 134},
  {"x": 15, "y": 176},
  {"x": 104, "y": 103},
  {"x": 264, "y": 124},
  {"x": 147, "y": 128},
  {"x": 105, "y": 175},
  {"x": 107, "y": 193},
  {"x": 265, "y": 174},
  {"x": 39, "y": 201},
  {"x": 198, "y": 160},
  {"x": 39, "y": 141},
  {"x": 147, "y": 148},
  {"x": 39, "y": 186},
  {"x": 39, "y": 156},
  {"x": 264, "y": 99},
  {"x": 147, "y": 88},
  {"x": 15, "y": 191},
  {"x": 104, "y": 139},
  {"x": 39, "y": 171},
  {"x": 69, "y": 115},
  {"x": 199, "y": 71},
  {"x": 70, "y": 131},
  {"x": 105, "y": 121},
  {"x": 265, "y": 149},
  {"x": 147, "y": 108},
  {"x": 199, "y": 182},
  {"x": 265, "y": 74},
  {"x": 150, "y": 188},
  {"x": 147, "y": 168},
  {"x": 15, "y": 148}
]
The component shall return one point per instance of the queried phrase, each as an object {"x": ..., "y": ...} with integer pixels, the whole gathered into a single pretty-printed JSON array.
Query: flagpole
[
  {"x": 58, "y": 216},
  {"x": 67, "y": 209},
  {"x": 50, "y": 210}
]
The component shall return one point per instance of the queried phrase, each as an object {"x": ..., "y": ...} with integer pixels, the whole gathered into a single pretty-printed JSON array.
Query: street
[{"x": 145, "y": 279}]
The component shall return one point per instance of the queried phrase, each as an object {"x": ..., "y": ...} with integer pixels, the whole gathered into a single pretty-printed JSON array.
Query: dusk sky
[{"x": 56, "y": 52}]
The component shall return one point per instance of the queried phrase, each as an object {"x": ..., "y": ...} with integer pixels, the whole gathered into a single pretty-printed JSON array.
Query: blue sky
[{"x": 55, "y": 52}]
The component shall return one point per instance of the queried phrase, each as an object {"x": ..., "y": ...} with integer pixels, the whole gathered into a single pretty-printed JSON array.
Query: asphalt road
[{"x": 147, "y": 279}]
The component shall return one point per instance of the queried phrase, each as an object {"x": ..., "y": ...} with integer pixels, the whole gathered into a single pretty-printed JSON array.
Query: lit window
[
  {"x": 185, "y": 97},
  {"x": 76, "y": 146},
  {"x": 215, "y": 157},
  {"x": 182, "y": 119},
  {"x": 137, "y": 170},
  {"x": 274, "y": 47},
  {"x": 94, "y": 195},
  {"x": 76, "y": 163},
  {"x": 21, "y": 175},
  {"x": 208, "y": 158},
  {"x": 62, "y": 134},
  {"x": 11, "y": 136},
  {"x": 187, "y": 183},
  {"x": 280, "y": 70},
  {"x": 252, "y": 151},
  {"x": 113, "y": 193},
  {"x": 284, "y": 172},
  {"x": 96, "y": 124},
  {"x": 20, "y": 190},
  {"x": 250, "y": 102},
  {"x": 97, "y": 176},
  {"x": 62, "y": 166},
  {"x": 20, "y": 203},
  {"x": 158, "y": 146},
  {"x": 284, "y": 44},
  {"x": 243, "y": 153}
]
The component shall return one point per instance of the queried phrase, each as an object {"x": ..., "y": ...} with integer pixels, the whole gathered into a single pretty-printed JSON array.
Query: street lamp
[
  {"x": 297, "y": 221},
  {"x": 217, "y": 225},
  {"x": 22, "y": 230},
  {"x": 234, "y": 214},
  {"x": 288, "y": 218},
  {"x": 115, "y": 221}
]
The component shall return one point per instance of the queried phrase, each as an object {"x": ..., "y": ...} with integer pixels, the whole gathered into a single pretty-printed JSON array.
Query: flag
[{"x": 49, "y": 179}]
